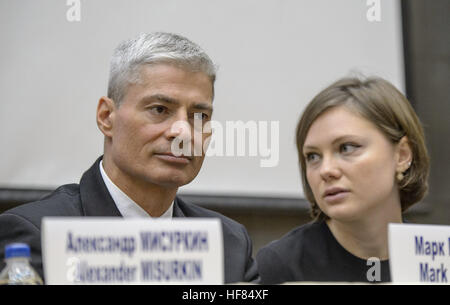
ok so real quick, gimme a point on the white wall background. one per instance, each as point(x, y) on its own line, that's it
point(274, 56)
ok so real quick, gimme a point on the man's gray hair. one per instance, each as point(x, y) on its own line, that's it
point(153, 48)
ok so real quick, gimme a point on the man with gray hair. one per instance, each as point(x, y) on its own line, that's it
point(159, 84)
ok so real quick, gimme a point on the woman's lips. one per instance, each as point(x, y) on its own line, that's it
point(336, 197)
point(335, 194)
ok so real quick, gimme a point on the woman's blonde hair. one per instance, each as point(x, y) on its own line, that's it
point(381, 103)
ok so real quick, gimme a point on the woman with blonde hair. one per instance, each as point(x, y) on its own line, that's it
point(363, 163)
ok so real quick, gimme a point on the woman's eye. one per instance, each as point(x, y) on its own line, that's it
point(348, 147)
point(312, 157)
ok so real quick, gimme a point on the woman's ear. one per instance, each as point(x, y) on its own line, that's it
point(404, 155)
point(105, 115)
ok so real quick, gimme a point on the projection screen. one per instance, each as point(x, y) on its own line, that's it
point(273, 56)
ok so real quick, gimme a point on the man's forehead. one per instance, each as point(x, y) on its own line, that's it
point(170, 84)
point(169, 70)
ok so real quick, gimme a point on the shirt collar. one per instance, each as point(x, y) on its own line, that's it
point(126, 206)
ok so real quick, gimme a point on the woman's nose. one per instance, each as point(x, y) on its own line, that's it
point(329, 168)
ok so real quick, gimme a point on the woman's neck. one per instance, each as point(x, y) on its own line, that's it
point(366, 237)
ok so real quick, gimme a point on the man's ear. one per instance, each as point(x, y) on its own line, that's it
point(404, 155)
point(105, 115)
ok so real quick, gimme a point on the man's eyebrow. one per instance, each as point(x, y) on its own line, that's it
point(169, 100)
point(203, 106)
point(160, 97)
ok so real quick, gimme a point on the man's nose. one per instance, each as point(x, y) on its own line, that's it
point(180, 127)
point(329, 168)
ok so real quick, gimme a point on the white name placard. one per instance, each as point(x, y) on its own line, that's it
point(419, 253)
point(88, 250)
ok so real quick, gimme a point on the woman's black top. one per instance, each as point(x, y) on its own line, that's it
point(311, 253)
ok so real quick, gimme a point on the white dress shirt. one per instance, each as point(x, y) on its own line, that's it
point(126, 206)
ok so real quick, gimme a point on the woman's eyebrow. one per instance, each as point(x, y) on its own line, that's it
point(345, 137)
point(338, 139)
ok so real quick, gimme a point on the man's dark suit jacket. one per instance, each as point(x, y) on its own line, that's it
point(91, 198)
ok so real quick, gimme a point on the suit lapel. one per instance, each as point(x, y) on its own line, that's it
point(95, 198)
point(177, 211)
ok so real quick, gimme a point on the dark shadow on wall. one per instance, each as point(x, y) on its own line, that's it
point(426, 35)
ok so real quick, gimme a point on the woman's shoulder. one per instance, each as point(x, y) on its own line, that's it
point(280, 260)
point(295, 240)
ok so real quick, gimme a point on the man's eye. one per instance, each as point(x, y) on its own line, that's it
point(158, 109)
point(201, 116)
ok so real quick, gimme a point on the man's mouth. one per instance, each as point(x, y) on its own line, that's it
point(169, 157)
